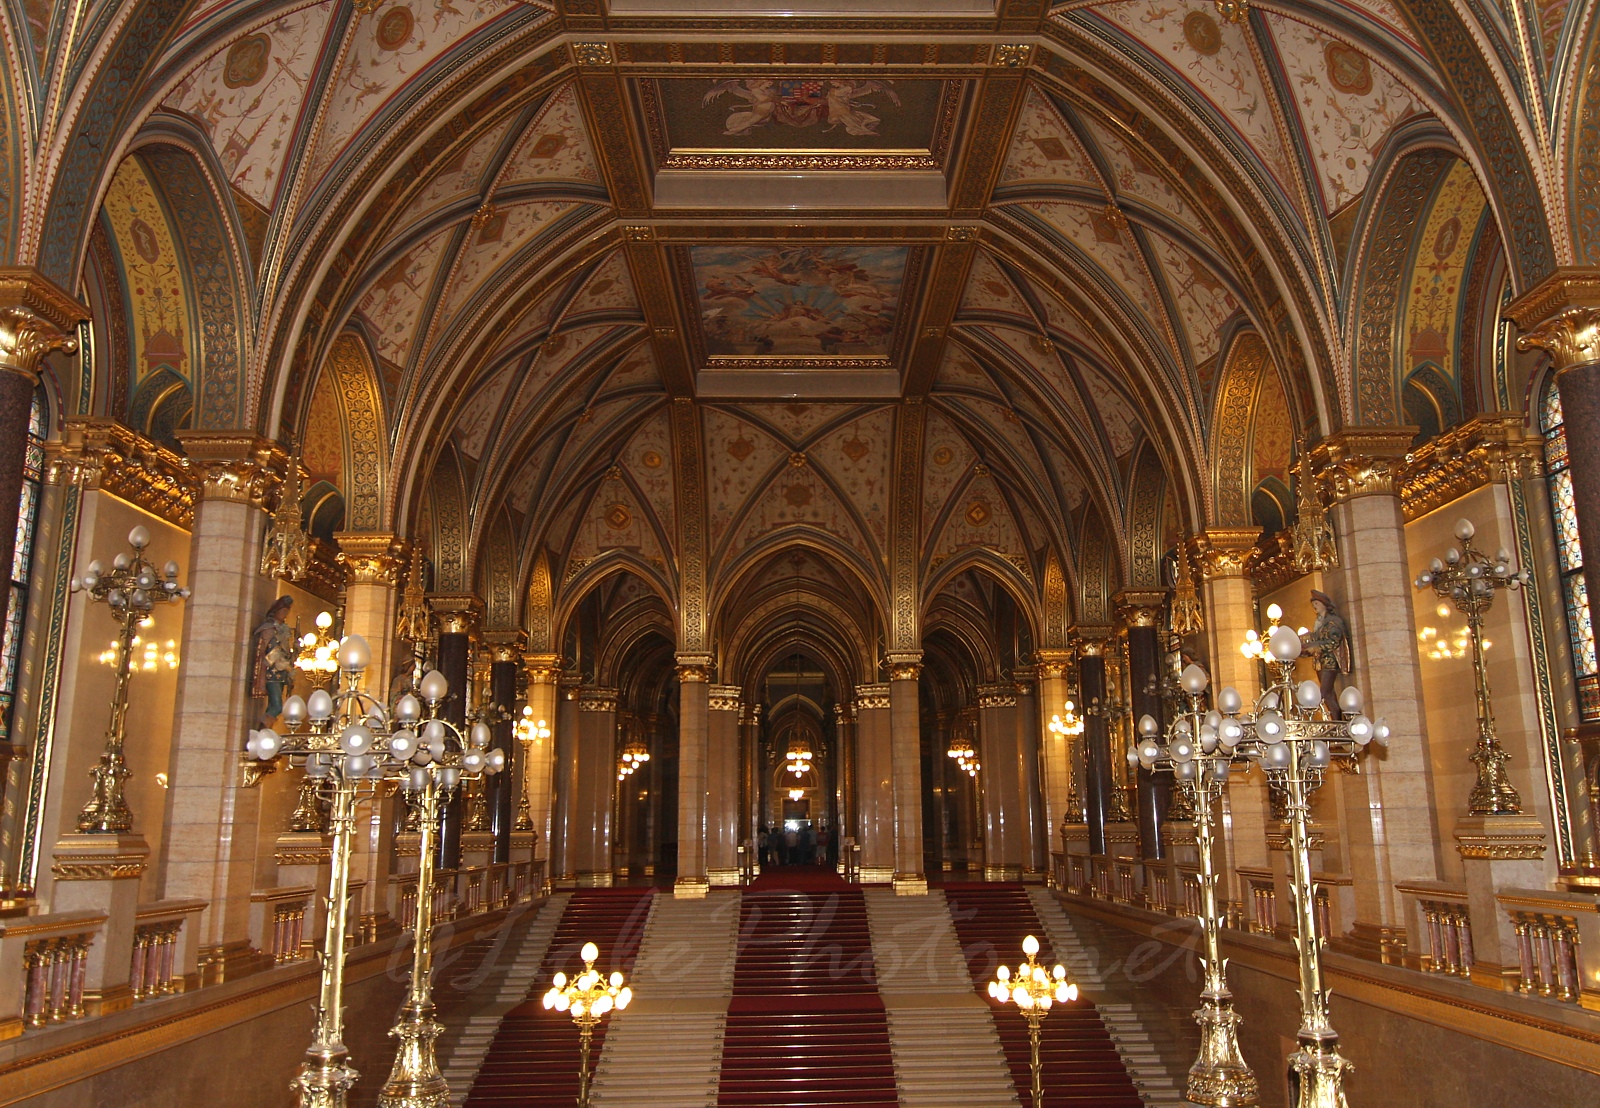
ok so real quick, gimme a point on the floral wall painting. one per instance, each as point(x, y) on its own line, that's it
point(798, 302)
point(800, 115)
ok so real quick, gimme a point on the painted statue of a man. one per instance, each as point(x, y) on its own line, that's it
point(272, 655)
point(1328, 644)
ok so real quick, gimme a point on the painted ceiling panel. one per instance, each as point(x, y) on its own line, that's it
point(555, 147)
point(1045, 149)
point(796, 422)
point(738, 456)
point(990, 290)
point(249, 98)
point(981, 518)
point(798, 495)
point(1134, 176)
point(1347, 105)
point(393, 305)
point(478, 417)
point(1097, 234)
point(859, 458)
point(958, 371)
point(1203, 303)
point(499, 237)
point(648, 459)
point(609, 290)
point(947, 458)
point(1040, 353)
point(462, 176)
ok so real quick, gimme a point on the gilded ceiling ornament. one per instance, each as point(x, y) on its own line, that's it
point(286, 551)
point(1012, 55)
point(1571, 338)
point(1234, 11)
point(592, 53)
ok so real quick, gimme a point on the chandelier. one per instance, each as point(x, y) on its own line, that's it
point(634, 754)
point(961, 750)
point(318, 652)
point(1069, 723)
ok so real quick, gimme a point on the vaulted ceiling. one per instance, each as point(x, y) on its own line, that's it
point(1054, 227)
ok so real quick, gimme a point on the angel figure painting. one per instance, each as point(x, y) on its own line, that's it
point(805, 301)
point(796, 114)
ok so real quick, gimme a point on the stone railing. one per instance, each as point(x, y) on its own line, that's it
point(1261, 898)
point(1553, 931)
point(43, 961)
point(1126, 872)
point(403, 897)
point(278, 922)
point(1438, 927)
point(166, 948)
point(1158, 886)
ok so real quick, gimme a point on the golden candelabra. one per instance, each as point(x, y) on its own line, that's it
point(351, 744)
point(528, 731)
point(316, 650)
point(1468, 579)
point(1200, 751)
point(961, 749)
point(588, 998)
point(1034, 991)
point(131, 589)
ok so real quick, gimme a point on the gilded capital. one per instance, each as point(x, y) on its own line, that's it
point(542, 669)
point(905, 666)
point(1561, 316)
point(694, 667)
point(505, 646)
point(1225, 551)
point(1139, 607)
point(235, 466)
point(104, 454)
point(1362, 461)
point(371, 558)
point(457, 613)
point(36, 318)
point(1052, 665)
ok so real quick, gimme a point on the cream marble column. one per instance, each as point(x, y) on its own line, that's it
point(564, 820)
point(1230, 611)
point(874, 783)
point(905, 733)
point(538, 755)
point(210, 831)
point(1004, 852)
point(1030, 738)
point(592, 807)
point(372, 562)
point(722, 785)
point(694, 704)
point(1056, 755)
point(1391, 828)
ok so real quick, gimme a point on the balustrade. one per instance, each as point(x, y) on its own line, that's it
point(278, 922)
point(1261, 895)
point(43, 962)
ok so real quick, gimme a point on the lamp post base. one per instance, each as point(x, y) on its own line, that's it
point(1316, 1075)
point(415, 1080)
point(1219, 1077)
point(324, 1081)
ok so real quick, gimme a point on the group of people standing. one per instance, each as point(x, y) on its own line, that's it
point(793, 845)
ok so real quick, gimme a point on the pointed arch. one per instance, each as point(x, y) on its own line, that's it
point(1246, 360)
point(353, 375)
point(448, 515)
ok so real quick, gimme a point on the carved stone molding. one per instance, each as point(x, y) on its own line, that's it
point(997, 696)
point(1271, 564)
point(103, 454)
point(1561, 315)
point(592, 699)
point(235, 466)
point(905, 666)
point(371, 558)
point(869, 697)
point(457, 613)
point(725, 698)
point(80, 857)
point(505, 646)
point(36, 318)
point(1501, 838)
point(1362, 461)
point(1052, 665)
point(1089, 642)
point(694, 669)
point(1225, 551)
point(1138, 607)
point(1484, 450)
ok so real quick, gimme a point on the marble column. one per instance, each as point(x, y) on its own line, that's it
point(372, 563)
point(459, 615)
point(1139, 612)
point(592, 809)
point(211, 815)
point(1391, 829)
point(1096, 744)
point(537, 764)
point(722, 785)
point(999, 754)
point(1056, 754)
point(694, 699)
point(874, 783)
point(750, 810)
point(1228, 594)
point(564, 788)
point(36, 319)
point(1036, 832)
point(505, 653)
point(905, 734)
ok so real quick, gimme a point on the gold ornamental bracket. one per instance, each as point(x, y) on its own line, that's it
point(370, 557)
point(1362, 461)
point(1490, 448)
point(1225, 551)
point(36, 318)
point(1138, 607)
point(1561, 316)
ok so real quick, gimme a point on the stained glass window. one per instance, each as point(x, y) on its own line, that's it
point(1570, 553)
point(21, 561)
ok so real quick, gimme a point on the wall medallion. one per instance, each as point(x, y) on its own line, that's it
point(1202, 33)
point(1348, 69)
point(247, 61)
point(978, 513)
point(394, 28)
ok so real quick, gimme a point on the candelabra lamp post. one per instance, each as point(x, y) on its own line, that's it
point(588, 999)
point(350, 743)
point(1295, 737)
point(1469, 579)
point(1034, 991)
point(131, 588)
point(528, 731)
point(1200, 750)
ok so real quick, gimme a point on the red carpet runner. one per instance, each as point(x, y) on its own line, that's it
point(806, 1027)
point(534, 1057)
point(1081, 1063)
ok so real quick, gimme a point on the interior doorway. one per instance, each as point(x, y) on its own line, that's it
point(796, 808)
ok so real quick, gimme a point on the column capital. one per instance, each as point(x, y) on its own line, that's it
point(905, 665)
point(1089, 640)
point(36, 318)
point(724, 698)
point(1052, 665)
point(872, 696)
point(1561, 316)
point(1139, 607)
point(239, 467)
point(457, 613)
point(370, 557)
point(694, 667)
point(505, 646)
point(1224, 551)
point(542, 669)
point(1496, 446)
point(1362, 461)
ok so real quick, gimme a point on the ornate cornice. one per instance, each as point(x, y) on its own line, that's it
point(997, 696)
point(1362, 461)
point(591, 699)
point(1225, 551)
point(1501, 838)
point(724, 698)
point(1561, 315)
point(371, 558)
point(36, 318)
point(871, 696)
point(234, 466)
point(1271, 565)
point(1138, 607)
point(1484, 450)
point(457, 613)
point(103, 454)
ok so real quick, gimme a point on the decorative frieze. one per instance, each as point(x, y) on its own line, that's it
point(593, 699)
point(103, 454)
point(869, 697)
point(724, 698)
point(997, 696)
point(1484, 450)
